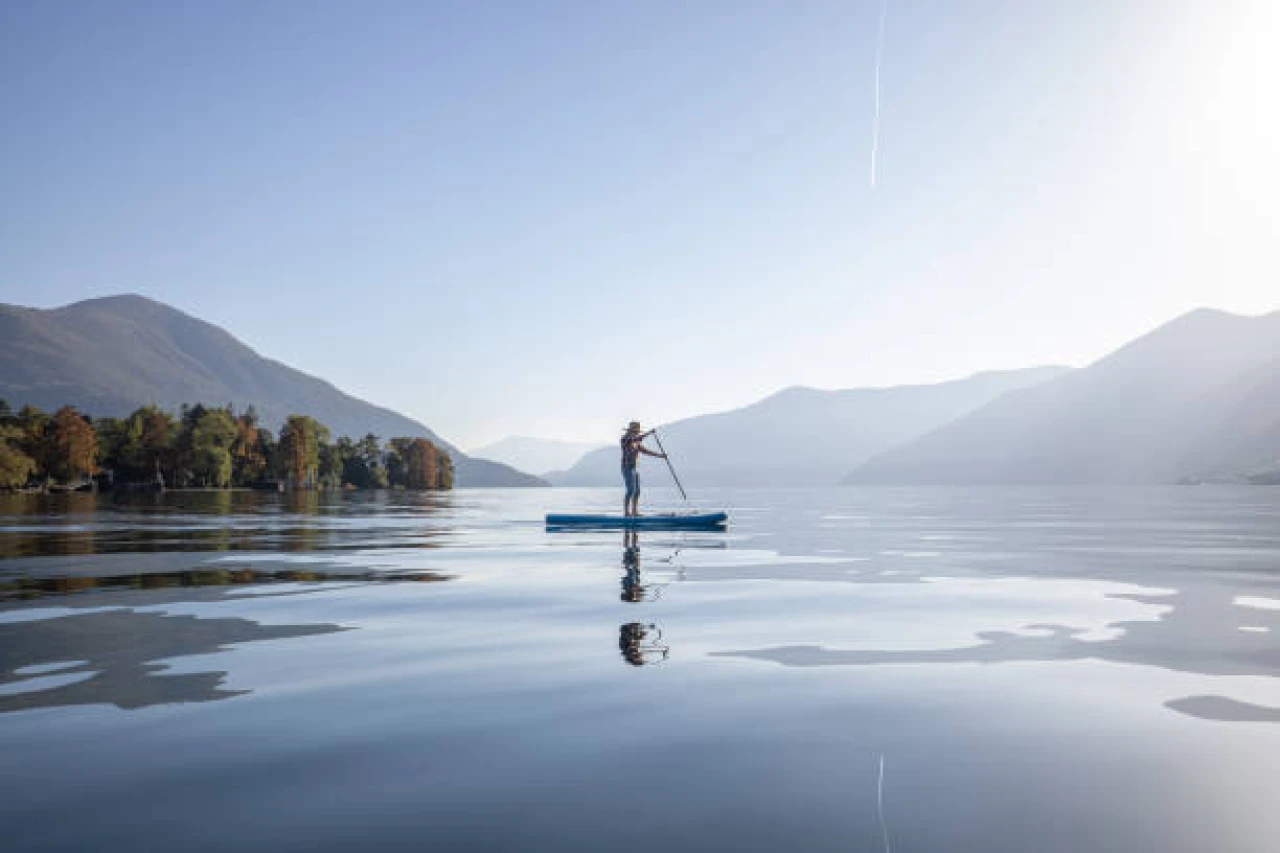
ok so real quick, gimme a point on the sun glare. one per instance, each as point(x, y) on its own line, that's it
point(1238, 140)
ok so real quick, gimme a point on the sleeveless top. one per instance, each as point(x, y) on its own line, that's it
point(630, 450)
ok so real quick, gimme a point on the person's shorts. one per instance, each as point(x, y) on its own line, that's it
point(631, 477)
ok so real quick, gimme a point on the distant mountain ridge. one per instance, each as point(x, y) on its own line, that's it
point(534, 455)
point(109, 355)
point(1197, 398)
point(805, 436)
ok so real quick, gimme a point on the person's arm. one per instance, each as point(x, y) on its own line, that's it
point(646, 450)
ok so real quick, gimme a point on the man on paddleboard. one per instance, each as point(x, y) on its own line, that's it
point(632, 446)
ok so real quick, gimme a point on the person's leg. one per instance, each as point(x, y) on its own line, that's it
point(629, 501)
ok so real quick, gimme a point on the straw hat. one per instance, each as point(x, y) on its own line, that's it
point(634, 426)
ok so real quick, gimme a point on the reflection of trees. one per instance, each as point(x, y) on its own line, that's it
point(218, 502)
point(302, 502)
point(216, 520)
point(33, 511)
point(122, 648)
point(76, 543)
point(306, 536)
point(30, 588)
point(418, 502)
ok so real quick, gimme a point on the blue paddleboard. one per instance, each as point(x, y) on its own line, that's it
point(658, 521)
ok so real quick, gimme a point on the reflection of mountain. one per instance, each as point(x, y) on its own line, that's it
point(1224, 709)
point(1197, 634)
point(125, 650)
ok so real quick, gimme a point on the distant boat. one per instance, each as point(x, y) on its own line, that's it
point(657, 521)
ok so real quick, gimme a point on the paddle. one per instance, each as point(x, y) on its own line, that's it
point(670, 467)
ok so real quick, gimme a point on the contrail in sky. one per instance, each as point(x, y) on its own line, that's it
point(875, 122)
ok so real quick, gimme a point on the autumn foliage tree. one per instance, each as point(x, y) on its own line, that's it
point(299, 450)
point(422, 465)
point(72, 445)
point(416, 463)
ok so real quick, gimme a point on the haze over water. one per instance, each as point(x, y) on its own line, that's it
point(1005, 669)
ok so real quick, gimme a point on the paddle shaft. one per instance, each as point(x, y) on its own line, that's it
point(670, 467)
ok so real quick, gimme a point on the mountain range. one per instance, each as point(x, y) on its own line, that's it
point(1196, 399)
point(108, 356)
point(804, 436)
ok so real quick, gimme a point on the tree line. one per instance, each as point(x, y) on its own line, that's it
point(205, 447)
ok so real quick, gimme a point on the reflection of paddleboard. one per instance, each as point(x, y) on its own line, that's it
point(661, 521)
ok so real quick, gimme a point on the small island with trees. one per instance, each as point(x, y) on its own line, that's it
point(203, 447)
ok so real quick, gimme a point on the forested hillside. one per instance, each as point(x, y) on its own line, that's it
point(109, 356)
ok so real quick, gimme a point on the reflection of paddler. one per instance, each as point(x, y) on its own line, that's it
point(630, 638)
point(632, 589)
point(641, 644)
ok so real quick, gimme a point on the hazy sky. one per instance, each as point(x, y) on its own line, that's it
point(547, 218)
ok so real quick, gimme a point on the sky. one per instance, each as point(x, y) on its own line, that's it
point(518, 218)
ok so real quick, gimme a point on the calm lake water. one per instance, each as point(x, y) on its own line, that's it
point(842, 670)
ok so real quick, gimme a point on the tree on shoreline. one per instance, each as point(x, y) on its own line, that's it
point(212, 435)
point(16, 467)
point(211, 447)
point(251, 450)
point(139, 448)
point(422, 464)
point(300, 440)
point(72, 446)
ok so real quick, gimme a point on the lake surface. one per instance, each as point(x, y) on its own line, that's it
point(842, 670)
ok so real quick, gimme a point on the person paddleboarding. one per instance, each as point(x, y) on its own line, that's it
point(632, 446)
